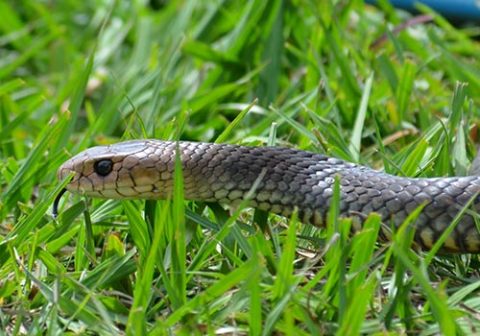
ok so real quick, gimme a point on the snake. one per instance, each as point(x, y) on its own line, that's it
point(279, 180)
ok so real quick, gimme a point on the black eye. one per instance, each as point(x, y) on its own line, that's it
point(103, 167)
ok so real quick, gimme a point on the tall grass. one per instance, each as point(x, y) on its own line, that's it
point(327, 76)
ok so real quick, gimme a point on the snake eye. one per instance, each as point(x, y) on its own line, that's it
point(103, 167)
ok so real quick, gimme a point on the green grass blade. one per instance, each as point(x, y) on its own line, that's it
point(356, 138)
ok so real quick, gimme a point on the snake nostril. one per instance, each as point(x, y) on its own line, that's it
point(103, 167)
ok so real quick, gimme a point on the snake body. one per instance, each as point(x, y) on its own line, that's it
point(285, 179)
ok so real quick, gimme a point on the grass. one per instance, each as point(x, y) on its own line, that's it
point(333, 77)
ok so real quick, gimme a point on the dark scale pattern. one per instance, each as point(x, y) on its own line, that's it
point(286, 178)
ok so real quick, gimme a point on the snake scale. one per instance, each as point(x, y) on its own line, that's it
point(285, 179)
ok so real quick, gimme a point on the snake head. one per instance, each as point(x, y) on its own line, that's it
point(124, 170)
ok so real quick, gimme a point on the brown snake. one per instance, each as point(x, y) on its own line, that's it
point(289, 179)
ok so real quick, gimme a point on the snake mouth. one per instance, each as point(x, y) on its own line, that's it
point(67, 169)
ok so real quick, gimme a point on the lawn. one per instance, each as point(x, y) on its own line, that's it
point(368, 85)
